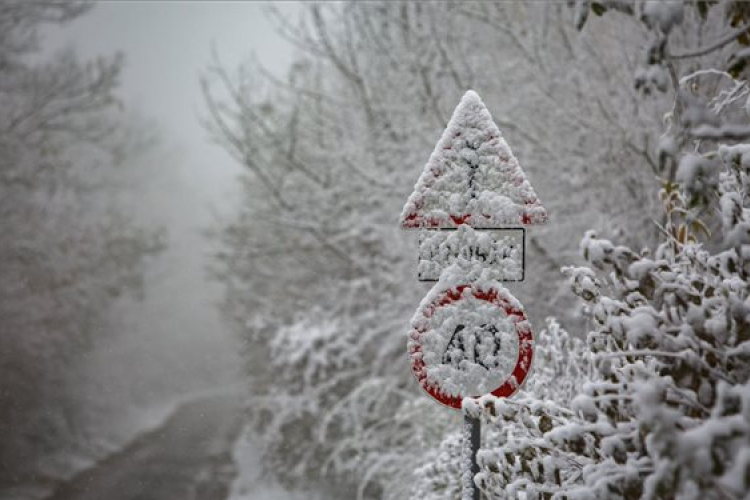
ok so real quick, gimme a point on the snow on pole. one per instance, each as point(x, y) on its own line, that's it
point(472, 438)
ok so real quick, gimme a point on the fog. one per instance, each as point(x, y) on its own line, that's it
point(213, 224)
point(167, 343)
point(183, 182)
point(186, 181)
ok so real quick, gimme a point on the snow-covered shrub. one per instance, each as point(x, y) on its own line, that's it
point(668, 407)
point(664, 409)
point(331, 155)
point(656, 404)
point(68, 252)
point(514, 429)
point(333, 151)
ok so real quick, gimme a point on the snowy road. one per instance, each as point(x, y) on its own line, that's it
point(189, 458)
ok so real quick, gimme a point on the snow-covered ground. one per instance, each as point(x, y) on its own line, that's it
point(60, 467)
point(110, 438)
point(250, 483)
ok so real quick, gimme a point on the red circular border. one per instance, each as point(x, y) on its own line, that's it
point(525, 345)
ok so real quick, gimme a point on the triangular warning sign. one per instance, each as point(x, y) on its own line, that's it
point(472, 178)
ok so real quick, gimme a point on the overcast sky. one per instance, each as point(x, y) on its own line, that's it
point(166, 45)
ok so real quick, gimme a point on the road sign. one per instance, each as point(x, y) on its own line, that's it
point(470, 336)
point(470, 195)
point(470, 340)
point(472, 178)
point(501, 251)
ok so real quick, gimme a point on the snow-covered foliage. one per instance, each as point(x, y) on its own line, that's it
point(653, 405)
point(333, 151)
point(665, 412)
point(513, 429)
point(660, 407)
point(64, 261)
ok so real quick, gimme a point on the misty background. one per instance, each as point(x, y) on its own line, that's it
point(206, 293)
point(167, 341)
point(181, 182)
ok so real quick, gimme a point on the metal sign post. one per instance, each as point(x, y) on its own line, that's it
point(470, 336)
point(472, 442)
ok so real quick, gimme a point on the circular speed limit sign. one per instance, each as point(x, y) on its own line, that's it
point(470, 340)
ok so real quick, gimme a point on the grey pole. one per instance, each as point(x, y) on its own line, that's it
point(472, 438)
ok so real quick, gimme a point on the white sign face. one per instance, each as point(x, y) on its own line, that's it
point(472, 348)
point(472, 178)
point(470, 340)
point(501, 250)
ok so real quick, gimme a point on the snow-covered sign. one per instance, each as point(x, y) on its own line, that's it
point(469, 340)
point(472, 178)
point(470, 336)
point(502, 251)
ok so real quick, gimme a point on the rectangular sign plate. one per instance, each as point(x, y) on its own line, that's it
point(501, 250)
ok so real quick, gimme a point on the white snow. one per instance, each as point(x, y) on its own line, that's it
point(472, 178)
point(662, 14)
point(469, 345)
point(251, 483)
point(501, 251)
point(471, 349)
point(697, 173)
point(113, 437)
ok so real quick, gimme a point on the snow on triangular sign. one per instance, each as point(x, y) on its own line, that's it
point(472, 178)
